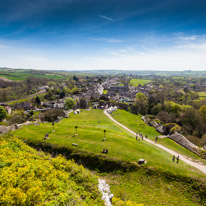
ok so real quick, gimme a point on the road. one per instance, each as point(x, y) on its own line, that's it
point(183, 158)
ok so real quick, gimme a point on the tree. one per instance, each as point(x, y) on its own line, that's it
point(69, 103)
point(141, 102)
point(3, 113)
point(37, 100)
point(203, 112)
point(83, 103)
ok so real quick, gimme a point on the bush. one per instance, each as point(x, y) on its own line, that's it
point(69, 103)
point(3, 113)
point(18, 117)
point(33, 178)
point(51, 115)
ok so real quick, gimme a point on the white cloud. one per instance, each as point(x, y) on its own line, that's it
point(179, 57)
point(105, 17)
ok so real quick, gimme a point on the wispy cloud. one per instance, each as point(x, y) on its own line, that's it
point(188, 38)
point(191, 38)
point(195, 46)
point(106, 17)
point(108, 40)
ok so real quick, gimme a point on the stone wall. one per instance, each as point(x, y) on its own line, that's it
point(180, 139)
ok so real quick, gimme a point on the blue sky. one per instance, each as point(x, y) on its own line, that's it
point(106, 34)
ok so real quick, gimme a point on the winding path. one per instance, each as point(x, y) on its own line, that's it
point(182, 157)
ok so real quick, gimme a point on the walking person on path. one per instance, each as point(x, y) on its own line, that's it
point(142, 137)
point(173, 158)
point(178, 158)
point(136, 136)
point(156, 138)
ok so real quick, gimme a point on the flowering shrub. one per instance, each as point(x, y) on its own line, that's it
point(28, 177)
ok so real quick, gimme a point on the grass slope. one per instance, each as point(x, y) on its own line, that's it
point(136, 124)
point(120, 144)
point(138, 186)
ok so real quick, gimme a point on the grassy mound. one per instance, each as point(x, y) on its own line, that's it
point(158, 182)
point(120, 143)
point(28, 177)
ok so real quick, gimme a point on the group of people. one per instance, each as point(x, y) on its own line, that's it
point(140, 135)
point(105, 151)
point(46, 136)
point(177, 158)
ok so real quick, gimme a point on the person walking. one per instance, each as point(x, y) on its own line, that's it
point(173, 158)
point(178, 158)
point(136, 136)
point(156, 138)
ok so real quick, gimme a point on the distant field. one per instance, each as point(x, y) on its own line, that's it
point(121, 145)
point(136, 82)
point(105, 91)
point(202, 95)
point(26, 99)
point(21, 75)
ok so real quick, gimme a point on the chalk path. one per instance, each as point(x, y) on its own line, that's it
point(182, 158)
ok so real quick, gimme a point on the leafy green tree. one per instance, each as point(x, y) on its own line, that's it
point(141, 102)
point(203, 112)
point(69, 103)
point(3, 113)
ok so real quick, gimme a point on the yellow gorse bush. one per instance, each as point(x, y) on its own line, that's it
point(28, 177)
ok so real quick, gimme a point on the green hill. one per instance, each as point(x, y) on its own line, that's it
point(159, 181)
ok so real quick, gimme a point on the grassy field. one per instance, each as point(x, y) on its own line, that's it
point(41, 96)
point(18, 75)
point(136, 124)
point(136, 82)
point(202, 95)
point(105, 91)
point(121, 145)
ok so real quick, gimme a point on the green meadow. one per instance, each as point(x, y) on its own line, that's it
point(155, 188)
point(23, 74)
point(121, 144)
point(136, 82)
